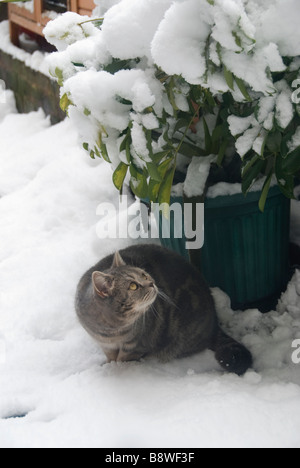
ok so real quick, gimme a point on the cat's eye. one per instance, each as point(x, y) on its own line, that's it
point(133, 286)
point(144, 276)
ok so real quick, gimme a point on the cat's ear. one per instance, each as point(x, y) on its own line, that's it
point(118, 261)
point(103, 284)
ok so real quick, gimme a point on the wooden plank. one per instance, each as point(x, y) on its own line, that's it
point(86, 5)
point(83, 12)
point(38, 10)
point(21, 11)
point(26, 24)
point(73, 5)
point(14, 33)
point(36, 21)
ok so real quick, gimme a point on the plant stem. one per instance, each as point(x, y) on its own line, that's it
point(90, 21)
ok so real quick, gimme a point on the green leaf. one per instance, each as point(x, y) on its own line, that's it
point(166, 187)
point(217, 133)
point(119, 175)
point(229, 78)
point(148, 135)
point(273, 141)
point(153, 172)
point(157, 157)
point(264, 145)
point(135, 169)
point(284, 148)
point(190, 150)
point(210, 99)
point(164, 167)
point(253, 169)
point(97, 152)
point(285, 181)
point(102, 146)
point(181, 123)
point(242, 88)
point(291, 164)
point(59, 75)
point(171, 97)
point(237, 39)
point(139, 185)
point(153, 190)
point(221, 153)
point(287, 186)
point(117, 65)
point(123, 101)
point(104, 153)
point(249, 164)
point(64, 36)
point(128, 154)
point(65, 102)
point(123, 144)
point(265, 191)
point(207, 137)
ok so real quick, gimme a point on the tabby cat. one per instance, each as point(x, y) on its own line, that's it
point(148, 301)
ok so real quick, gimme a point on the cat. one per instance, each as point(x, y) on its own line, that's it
point(149, 301)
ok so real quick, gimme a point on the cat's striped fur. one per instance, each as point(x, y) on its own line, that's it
point(148, 301)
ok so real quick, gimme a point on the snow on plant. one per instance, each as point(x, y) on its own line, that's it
point(153, 80)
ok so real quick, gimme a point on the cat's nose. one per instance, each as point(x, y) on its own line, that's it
point(151, 284)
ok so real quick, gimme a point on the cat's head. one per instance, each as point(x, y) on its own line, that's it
point(126, 291)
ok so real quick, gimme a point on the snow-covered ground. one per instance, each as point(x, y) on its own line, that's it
point(54, 389)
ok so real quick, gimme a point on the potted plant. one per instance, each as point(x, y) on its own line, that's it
point(189, 88)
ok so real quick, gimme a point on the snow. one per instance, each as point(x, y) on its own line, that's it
point(239, 125)
point(225, 188)
point(36, 61)
point(106, 102)
point(222, 45)
point(284, 105)
point(183, 28)
point(55, 389)
point(52, 372)
point(144, 19)
point(68, 29)
point(277, 21)
point(197, 174)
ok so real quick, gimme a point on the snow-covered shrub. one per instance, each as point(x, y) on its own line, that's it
point(155, 85)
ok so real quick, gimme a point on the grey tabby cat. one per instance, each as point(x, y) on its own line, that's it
point(148, 301)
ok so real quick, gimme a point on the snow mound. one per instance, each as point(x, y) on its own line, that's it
point(55, 390)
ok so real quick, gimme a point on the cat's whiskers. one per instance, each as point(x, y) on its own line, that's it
point(166, 298)
point(155, 311)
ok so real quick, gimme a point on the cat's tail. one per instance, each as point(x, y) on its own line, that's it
point(230, 354)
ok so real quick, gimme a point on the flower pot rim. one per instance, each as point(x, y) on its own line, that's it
point(234, 199)
point(240, 198)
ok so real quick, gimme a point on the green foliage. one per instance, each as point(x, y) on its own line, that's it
point(194, 123)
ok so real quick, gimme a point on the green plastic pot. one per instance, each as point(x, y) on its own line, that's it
point(245, 252)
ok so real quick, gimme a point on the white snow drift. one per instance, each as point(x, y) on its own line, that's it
point(54, 389)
